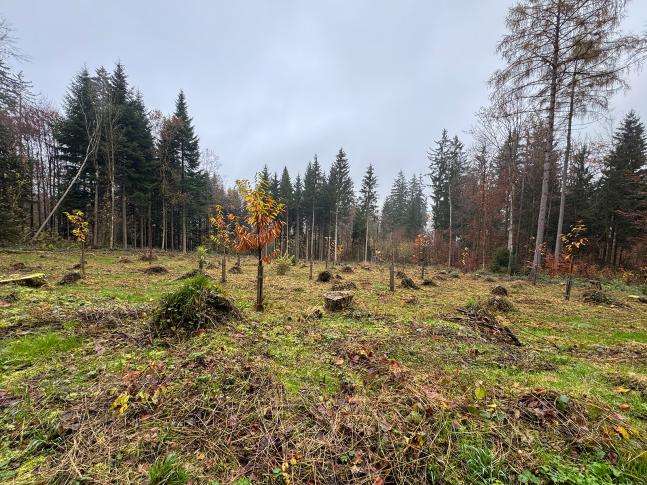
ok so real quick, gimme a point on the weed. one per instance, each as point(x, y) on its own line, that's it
point(168, 471)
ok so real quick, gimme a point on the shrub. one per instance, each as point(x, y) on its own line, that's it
point(168, 471)
point(283, 264)
point(198, 303)
point(499, 262)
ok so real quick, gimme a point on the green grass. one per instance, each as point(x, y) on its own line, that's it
point(34, 348)
point(168, 471)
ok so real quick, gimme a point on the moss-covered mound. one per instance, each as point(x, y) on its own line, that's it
point(197, 304)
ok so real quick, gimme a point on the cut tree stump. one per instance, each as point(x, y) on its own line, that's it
point(35, 280)
point(337, 300)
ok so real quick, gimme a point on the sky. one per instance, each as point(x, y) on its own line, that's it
point(276, 81)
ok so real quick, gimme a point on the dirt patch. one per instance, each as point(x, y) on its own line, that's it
point(192, 274)
point(597, 297)
point(111, 314)
point(487, 327)
point(124, 260)
point(630, 352)
point(18, 267)
point(155, 270)
point(70, 278)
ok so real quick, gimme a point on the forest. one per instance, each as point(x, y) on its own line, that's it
point(481, 318)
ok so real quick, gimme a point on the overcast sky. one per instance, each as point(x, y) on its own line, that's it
point(274, 81)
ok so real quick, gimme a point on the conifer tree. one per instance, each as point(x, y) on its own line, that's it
point(366, 206)
point(185, 156)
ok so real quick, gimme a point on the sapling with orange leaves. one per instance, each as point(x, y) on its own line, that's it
point(256, 230)
point(80, 231)
point(573, 243)
point(422, 251)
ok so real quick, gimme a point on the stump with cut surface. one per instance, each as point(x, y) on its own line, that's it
point(337, 300)
point(35, 280)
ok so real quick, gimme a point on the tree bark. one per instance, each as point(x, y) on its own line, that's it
point(548, 151)
point(567, 153)
point(124, 220)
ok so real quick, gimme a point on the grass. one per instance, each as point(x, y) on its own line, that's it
point(384, 391)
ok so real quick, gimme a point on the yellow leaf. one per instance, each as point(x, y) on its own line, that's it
point(622, 431)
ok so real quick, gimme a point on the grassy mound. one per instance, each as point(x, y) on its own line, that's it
point(197, 304)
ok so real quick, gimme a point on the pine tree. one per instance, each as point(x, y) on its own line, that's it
point(297, 201)
point(366, 207)
point(623, 188)
point(313, 184)
point(185, 154)
point(340, 193)
point(285, 196)
point(395, 205)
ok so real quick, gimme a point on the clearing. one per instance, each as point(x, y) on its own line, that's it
point(400, 388)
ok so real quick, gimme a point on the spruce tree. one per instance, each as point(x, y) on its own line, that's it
point(340, 193)
point(366, 208)
point(185, 153)
point(623, 187)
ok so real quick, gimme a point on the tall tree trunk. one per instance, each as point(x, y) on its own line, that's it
point(548, 152)
point(449, 252)
point(312, 234)
point(95, 225)
point(510, 229)
point(163, 223)
point(567, 153)
point(184, 227)
point(366, 239)
point(296, 239)
point(336, 217)
point(124, 219)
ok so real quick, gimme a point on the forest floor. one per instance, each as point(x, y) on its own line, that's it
point(401, 388)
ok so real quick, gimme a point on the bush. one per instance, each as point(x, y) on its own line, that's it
point(283, 264)
point(198, 303)
point(499, 262)
point(168, 471)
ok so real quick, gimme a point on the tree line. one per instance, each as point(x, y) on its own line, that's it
point(143, 180)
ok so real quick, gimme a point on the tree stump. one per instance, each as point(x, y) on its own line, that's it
point(337, 300)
